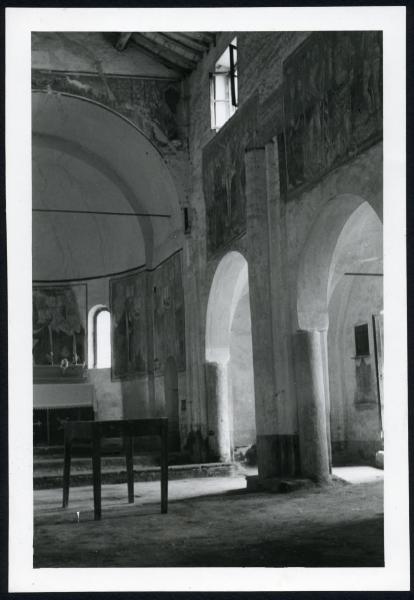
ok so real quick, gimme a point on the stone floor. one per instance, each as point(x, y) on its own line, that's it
point(215, 522)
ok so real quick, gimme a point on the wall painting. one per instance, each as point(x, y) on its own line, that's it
point(129, 335)
point(332, 102)
point(59, 325)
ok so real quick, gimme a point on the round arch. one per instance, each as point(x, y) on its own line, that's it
point(229, 282)
point(229, 359)
point(318, 260)
point(346, 237)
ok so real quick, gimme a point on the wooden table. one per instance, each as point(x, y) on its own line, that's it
point(128, 429)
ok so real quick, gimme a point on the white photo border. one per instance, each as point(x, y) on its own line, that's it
point(20, 22)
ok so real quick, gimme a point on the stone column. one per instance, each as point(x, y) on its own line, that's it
point(260, 306)
point(217, 384)
point(310, 392)
point(324, 342)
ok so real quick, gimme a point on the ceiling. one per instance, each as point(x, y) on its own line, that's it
point(152, 54)
point(179, 51)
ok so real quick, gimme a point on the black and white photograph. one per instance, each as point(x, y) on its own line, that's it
point(217, 375)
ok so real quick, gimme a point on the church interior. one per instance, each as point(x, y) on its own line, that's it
point(208, 248)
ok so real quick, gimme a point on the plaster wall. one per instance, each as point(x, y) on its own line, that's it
point(355, 423)
point(242, 376)
point(61, 242)
point(360, 178)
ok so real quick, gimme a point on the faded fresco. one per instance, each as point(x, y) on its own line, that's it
point(59, 324)
point(169, 324)
point(224, 177)
point(145, 102)
point(129, 335)
point(332, 101)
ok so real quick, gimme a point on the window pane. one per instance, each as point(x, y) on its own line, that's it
point(222, 113)
point(103, 340)
point(221, 87)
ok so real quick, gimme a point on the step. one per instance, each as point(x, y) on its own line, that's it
point(44, 479)
point(54, 463)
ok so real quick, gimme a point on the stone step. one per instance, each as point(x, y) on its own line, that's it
point(44, 479)
point(54, 464)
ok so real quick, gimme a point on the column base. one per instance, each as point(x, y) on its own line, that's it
point(278, 455)
point(278, 485)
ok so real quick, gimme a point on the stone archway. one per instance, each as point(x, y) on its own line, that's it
point(229, 360)
point(355, 303)
point(333, 245)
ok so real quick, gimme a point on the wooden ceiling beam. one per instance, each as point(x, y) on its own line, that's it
point(179, 47)
point(122, 41)
point(187, 40)
point(169, 50)
point(155, 51)
point(204, 37)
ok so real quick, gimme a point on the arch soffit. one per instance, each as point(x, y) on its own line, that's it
point(229, 284)
point(315, 262)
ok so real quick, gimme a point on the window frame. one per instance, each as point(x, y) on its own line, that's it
point(230, 77)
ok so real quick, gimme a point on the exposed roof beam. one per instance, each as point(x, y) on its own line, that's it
point(187, 40)
point(206, 38)
point(186, 59)
point(122, 41)
point(178, 47)
point(169, 59)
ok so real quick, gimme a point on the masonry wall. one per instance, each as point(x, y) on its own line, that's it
point(291, 201)
point(200, 268)
point(355, 418)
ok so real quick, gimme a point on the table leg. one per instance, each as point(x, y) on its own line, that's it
point(66, 469)
point(96, 469)
point(164, 468)
point(129, 457)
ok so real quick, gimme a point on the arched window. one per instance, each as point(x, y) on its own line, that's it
point(103, 339)
point(100, 337)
